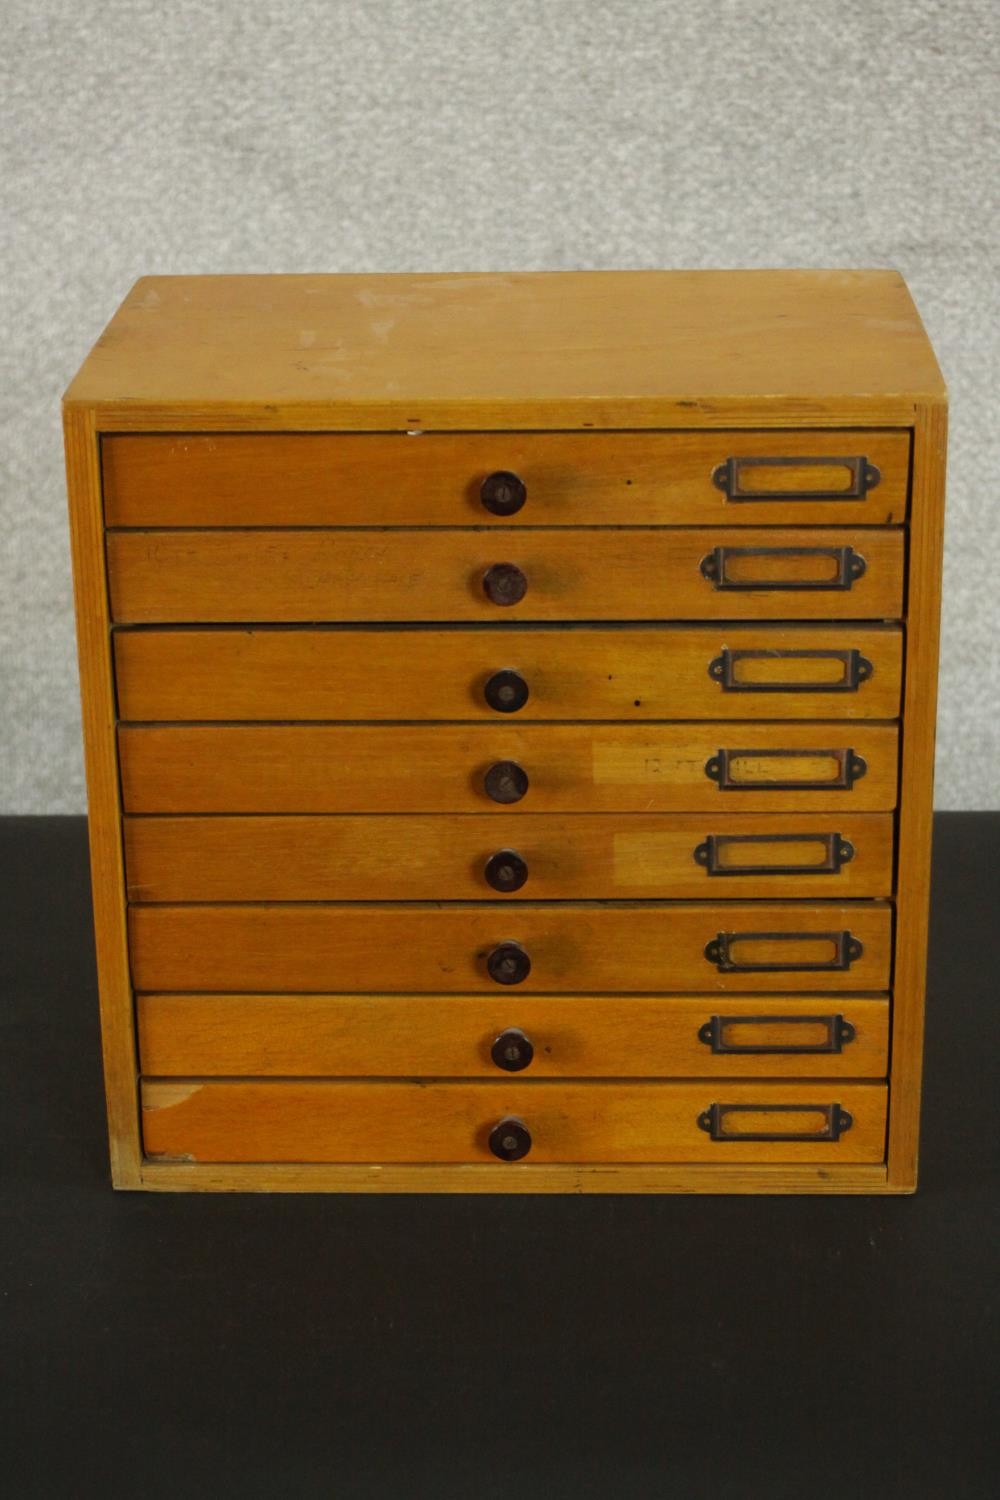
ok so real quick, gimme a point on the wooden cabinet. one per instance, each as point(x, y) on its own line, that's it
point(510, 774)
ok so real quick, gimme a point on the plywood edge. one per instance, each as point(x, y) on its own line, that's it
point(265, 1178)
point(97, 696)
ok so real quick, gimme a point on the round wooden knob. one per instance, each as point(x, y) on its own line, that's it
point(512, 1050)
point(506, 870)
point(508, 964)
point(506, 781)
point(510, 1139)
point(506, 691)
point(505, 584)
point(503, 493)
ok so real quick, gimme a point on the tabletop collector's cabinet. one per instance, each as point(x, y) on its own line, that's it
point(509, 718)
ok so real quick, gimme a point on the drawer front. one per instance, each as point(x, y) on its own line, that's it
point(458, 948)
point(435, 858)
point(455, 1122)
point(507, 768)
point(568, 479)
point(732, 672)
point(165, 577)
point(468, 1036)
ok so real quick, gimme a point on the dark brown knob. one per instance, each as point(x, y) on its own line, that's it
point(506, 781)
point(503, 493)
point(508, 964)
point(512, 1050)
point(504, 583)
point(506, 870)
point(506, 691)
point(510, 1139)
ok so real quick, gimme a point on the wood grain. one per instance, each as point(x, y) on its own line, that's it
point(424, 949)
point(831, 1179)
point(599, 673)
point(449, 1036)
point(393, 479)
point(449, 1122)
point(439, 858)
point(106, 863)
point(167, 577)
point(608, 349)
point(298, 768)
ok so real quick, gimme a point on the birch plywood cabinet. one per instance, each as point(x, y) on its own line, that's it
point(508, 704)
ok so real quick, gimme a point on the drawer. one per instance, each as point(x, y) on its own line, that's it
point(548, 857)
point(667, 672)
point(567, 478)
point(165, 577)
point(228, 1120)
point(508, 767)
point(468, 1036)
point(459, 948)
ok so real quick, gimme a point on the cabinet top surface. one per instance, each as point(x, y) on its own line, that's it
point(530, 347)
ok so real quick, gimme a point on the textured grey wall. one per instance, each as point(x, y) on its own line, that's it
point(229, 135)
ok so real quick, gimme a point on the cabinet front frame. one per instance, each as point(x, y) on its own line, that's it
point(927, 421)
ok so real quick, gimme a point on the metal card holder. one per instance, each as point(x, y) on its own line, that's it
point(850, 566)
point(837, 1121)
point(857, 669)
point(850, 768)
point(847, 949)
point(713, 1033)
point(728, 477)
point(838, 852)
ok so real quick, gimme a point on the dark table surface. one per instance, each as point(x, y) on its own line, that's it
point(484, 1348)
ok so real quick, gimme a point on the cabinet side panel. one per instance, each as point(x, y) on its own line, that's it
point(916, 791)
point(107, 875)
